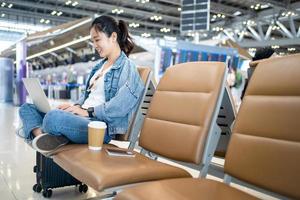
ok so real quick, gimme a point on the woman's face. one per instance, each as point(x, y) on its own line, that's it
point(102, 43)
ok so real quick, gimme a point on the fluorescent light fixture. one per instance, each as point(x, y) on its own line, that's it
point(42, 20)
point(134, 25)
point(10, 5)
point(68, 2)
point(146, 35)
point(291, 49)
point(59, 13)
point(156, 18)
point(117, 11)
point(2, 15)
point(264, 6)
point(59, 47)
point(165, 30)
point(75, 3)
point(237, 13)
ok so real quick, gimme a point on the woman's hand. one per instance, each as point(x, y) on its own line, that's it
point(77, 111)
point(64, 106)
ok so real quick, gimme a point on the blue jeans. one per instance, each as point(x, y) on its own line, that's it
point(56, 122)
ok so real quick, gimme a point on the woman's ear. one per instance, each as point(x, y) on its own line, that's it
point(114, 36)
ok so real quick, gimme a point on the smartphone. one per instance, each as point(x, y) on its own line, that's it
point(120, 152)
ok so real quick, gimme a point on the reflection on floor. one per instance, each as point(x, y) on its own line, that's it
point(17, 160)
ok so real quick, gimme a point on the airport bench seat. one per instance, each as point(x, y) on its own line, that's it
point(101, 171)
point(264, 148)
point(183, 189)
point(180, 125)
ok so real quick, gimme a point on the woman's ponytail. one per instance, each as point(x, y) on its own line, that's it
point(124, 39)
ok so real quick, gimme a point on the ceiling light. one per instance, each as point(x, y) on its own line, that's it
point(249, 23)
point(237, 13)
point(42, 20)
point(156, 18)
point(179, 9)
point(10, 5)
point(117, 11)
point(264, 6)
point(291, 49)
point(75, 3)
point(219, 15)
point(134, 25)
point(2, 15)
point(275, 28)
point(59, 13)
point(259, 6)
point(68, 2)
point(146, 35)
point(275, 46)
point(165, 30)
point(289, 13)
point(217, 28)
point(47, 21)
point(53, 12)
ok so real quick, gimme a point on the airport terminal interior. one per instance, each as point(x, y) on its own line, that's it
point(206, 105)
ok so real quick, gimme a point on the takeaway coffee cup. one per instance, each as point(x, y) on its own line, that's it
point(96, 132)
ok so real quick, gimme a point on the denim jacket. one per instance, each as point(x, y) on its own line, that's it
point(123, 88)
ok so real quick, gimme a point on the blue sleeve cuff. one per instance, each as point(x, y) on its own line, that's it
point(99, 112)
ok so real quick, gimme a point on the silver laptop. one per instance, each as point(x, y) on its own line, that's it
point(36, 93)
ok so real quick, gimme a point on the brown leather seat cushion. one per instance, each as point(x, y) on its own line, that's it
point(100, 171)
point(183, 188)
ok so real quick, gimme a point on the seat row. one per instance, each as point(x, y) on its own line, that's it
point(181, 125)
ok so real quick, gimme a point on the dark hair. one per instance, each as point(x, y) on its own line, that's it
point(108, 25)
point(263, 53)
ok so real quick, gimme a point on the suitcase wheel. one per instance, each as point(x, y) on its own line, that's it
point(47, 193)
point(83, 188)
point(35, 169)
point(37, 188)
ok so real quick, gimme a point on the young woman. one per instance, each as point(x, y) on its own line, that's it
point(112, 92)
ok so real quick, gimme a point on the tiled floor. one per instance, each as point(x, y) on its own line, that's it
point(17, 160)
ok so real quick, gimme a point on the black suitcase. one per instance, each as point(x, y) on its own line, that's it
point(49, 176)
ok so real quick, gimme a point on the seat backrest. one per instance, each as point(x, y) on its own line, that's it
point(145, 74)
point(226, 117)
point(265, 145)
point(181, 111)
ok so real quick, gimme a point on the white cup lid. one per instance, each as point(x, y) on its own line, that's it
point(97, 124)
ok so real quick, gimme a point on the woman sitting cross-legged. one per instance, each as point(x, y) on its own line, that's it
point(112, 92)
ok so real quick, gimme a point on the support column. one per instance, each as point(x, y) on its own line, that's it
point(196, 37)
point(6, 79)
point(21, 53)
